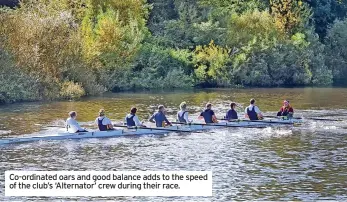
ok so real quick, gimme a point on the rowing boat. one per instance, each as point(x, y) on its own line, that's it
point(146, 131)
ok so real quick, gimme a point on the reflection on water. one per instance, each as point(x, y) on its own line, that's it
point(280, 163)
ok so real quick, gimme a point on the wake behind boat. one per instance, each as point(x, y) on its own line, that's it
point(185, 128)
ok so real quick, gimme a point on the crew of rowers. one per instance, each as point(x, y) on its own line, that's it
point(252, 112)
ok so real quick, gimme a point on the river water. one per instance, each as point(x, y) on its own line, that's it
point(307, 162)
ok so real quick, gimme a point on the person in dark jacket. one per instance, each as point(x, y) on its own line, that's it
point(208, 114)
point(231, 113)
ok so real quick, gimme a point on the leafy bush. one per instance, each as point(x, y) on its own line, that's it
point(71, 90)
point(211, 63)
point(15, 85)
point(155, 67)
point(286, 65)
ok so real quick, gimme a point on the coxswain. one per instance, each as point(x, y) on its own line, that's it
point(71, 124)
point(208, 114)
point(182, 115)
point(103, 122)
point(231, 113)
point(132, 119)
point(286, 110)
point(159, 118)
point(252, 111)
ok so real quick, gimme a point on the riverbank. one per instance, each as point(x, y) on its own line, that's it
point(51, 50)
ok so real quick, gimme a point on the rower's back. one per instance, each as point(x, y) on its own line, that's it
point(101, 125)
point(252, 111)
point(182, 115)
point(208, 115)
point(130, 120)
point(252, 115)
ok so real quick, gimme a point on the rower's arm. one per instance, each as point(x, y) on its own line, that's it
point(109, 124)
point(214, 118)
point(75, 123)
point(201, 117)
point(137, 121)
point(167, 121)
point(151, 119)
point(257, 110)
point(186, 117)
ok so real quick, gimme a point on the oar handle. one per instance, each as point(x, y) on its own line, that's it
point(149, 128)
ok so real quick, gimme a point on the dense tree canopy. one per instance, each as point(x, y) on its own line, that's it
point(53, 49)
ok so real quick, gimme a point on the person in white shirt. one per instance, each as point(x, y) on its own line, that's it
point(253, 112)
point(71, 124)
point(103, 122)
point(182, 115)
point(132, 120)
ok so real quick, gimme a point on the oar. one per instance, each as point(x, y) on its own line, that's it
point(53, 126)
point(220, 125)
point(148, 128)
point(320, 119)
point(311, 118)
point(259, 121)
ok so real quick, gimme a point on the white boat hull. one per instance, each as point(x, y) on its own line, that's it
point(141, 131)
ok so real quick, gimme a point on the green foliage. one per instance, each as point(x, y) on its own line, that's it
point(325, 12)
point(222, 9)
point(71, 90)
point(155, 67)
point(14, 85)
point(253, 29)
point(285, 65)
point(290, 15)
point(108, 41)
point(336, 53)
point(53, 49)
point(211, 63)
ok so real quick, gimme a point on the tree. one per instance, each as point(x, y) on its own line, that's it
point(211, 64)
point(336, 51)
point(291, 15)
point(325, 12)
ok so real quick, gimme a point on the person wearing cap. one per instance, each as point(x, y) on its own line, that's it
point(231, 113)
point(286, 110)
point(103, 122)
point(182, 115)
point(159, 117)
point(72, 125)
point(253, 112)
point(208, 114)
point(132, 120)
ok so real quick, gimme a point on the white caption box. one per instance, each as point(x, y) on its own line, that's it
point(108, 183)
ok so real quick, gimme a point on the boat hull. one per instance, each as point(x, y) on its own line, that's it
point(141, 131)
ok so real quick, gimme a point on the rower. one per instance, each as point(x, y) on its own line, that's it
point(103, 122)
point(182, 115)
point(231, 114)
point(286, 110)
point(71, 124)
point(159, 117)
point(208, 114)
point(252, 111)
point(132, 120)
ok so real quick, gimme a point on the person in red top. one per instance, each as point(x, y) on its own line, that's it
point(286, 109)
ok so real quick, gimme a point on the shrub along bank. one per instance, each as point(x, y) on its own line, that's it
point(63, 49)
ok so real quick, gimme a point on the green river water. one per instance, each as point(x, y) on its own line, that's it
point(307, 162)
